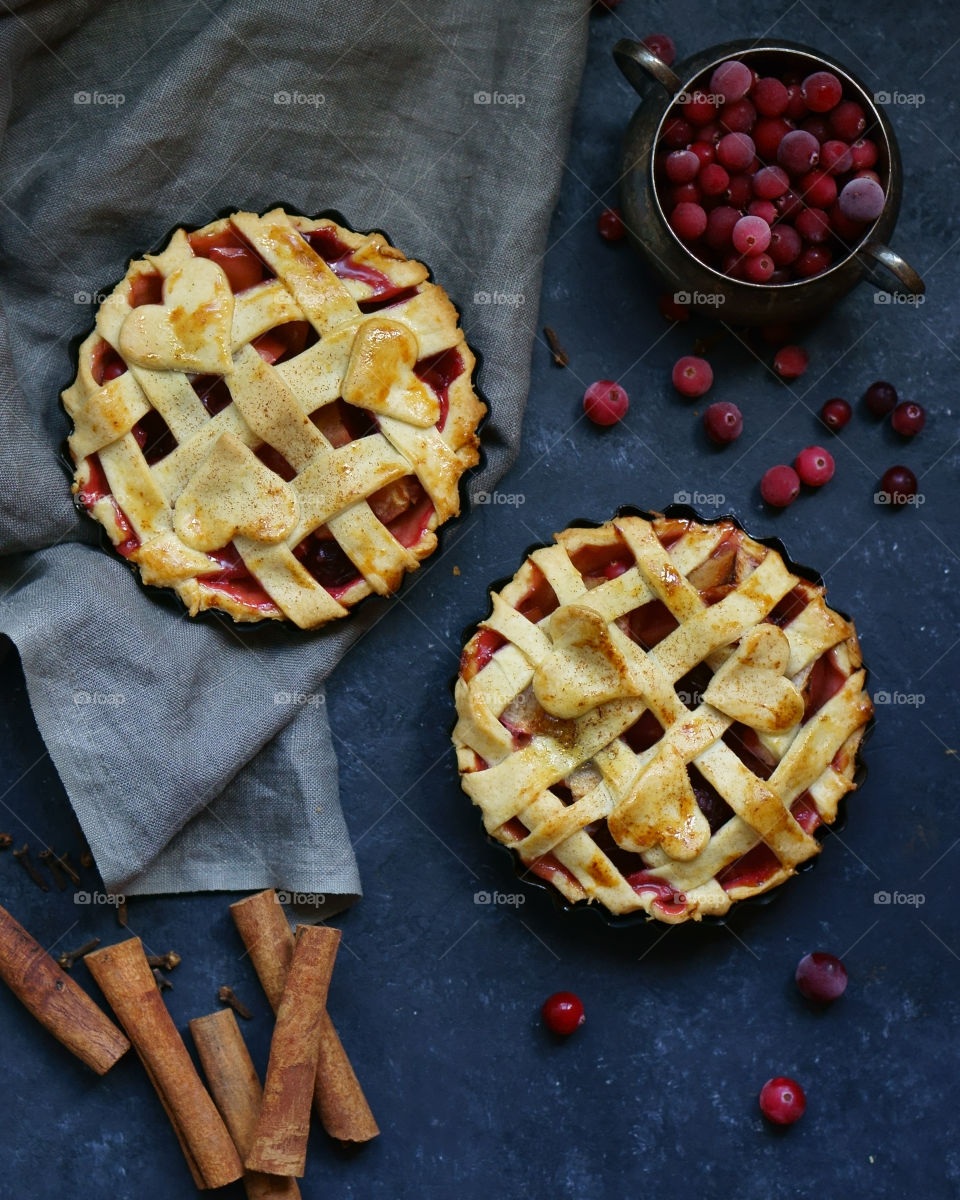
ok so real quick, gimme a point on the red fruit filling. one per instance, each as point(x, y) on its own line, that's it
point(97, 488)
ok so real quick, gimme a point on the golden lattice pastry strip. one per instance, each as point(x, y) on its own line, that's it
point(272, 417)
point(658, 714)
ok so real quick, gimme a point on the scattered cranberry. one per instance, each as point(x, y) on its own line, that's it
point(821, 977)
point(821, 91)
point(688, 221)
point(780, 486)
point(862, 200)
point(782, 1100)
point(563, 1013)
point(770, 97)
point(610, 225)
point(751, 235)
point(798, 152)
point(880, 398)
point(692, 376)
point(662, 46)
point(815, 466)
point(790, 362)
point(908, 418)
point(848, 121)
point(732, 80)
point(836, 414)
point(899, 485)
point(671, 309)
point(605, 402)
point(723, 422)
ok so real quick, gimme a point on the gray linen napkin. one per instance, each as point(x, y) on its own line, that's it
point(196, 756)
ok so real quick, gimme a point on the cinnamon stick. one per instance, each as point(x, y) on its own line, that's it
point(57, 1001)
point(236, 1089)
point(280, 1141)
point(338, 1098)
point(125, 978)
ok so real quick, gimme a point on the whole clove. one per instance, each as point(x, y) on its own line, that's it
point(6, 841)
point(226, 996)
point(560, 356)
point(163, 983)
point(165, 961)
point(63, 862)
point(121, 911)
point(25, 861)
point(69, 957)
point(49, 859)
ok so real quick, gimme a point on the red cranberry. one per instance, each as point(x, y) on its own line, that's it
point(821, 977)
point(681, 166)
point(836, 157)
point(770, 97)
point(713, 179)
point(768, 133)
point(849, 232)
point(862, 200)
point(818, 189)
point(563, 1013)
point(670, 309)
point(790, 362)
point(735, 151)
point(821, 91)
point(867, 174)
point(759, 268)
point(699, 108)
point(898, 485)
point(769, 183)
point(751, 235)
point(813, 261)
point(864, 153)
point(711, 133)
point(692, 376)
point(723, 422)
point(815, 466)
point(677, 133)
point(848, 121)
point(738, 117)
point(789, 205)
point(798, 152)
point(688, 221)
point(785, 245)
point(610, 225)
point(605, 402)
point(813, 224)
point(705, 151)
point(685, 193)
point(764, 209)
point(836, 414)
point(817, 126)
point(732, 80)
point(782, 1100)
point(880, 398)
point(908, 418)
point(662, 46)
point(780, 486)
point(796, 105)
point(720, 225)
point(740, 191)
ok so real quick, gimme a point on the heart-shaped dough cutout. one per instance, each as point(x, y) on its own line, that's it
point(751, 686)
point(190, 330)
point(584, 668)
point(661, 810)
point(231, 493)
point(380, 374)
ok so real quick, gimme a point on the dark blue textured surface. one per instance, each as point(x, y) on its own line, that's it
point(436, 997)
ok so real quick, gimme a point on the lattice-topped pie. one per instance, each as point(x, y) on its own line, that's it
point(658, 714)
point(272, 416)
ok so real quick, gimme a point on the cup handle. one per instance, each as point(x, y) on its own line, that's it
point(637, 62)
point(908, 283)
